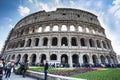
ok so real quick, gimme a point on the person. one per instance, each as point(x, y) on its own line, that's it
point(24, 68)
point(45, 70)
point(1, 69)
point(9, 67)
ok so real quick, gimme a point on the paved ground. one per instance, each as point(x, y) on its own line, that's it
point(18, 77)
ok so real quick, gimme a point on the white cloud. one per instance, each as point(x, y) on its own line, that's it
point(23, 10)
point(8, 19)
point(57, 1)
point(31, 1)
point(115, 8)
point(116, 2)
point(11, 26)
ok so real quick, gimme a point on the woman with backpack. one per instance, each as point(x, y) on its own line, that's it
point(9, 66)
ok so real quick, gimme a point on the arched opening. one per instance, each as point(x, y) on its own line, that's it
point(43, 58)
point(54, 41)
point(85, 59)
point(87, 30)
point(64, 42)
point(36, 41)
point(64, 59)
point(95, 59)
point(91, 42)
point(39, 29)
point(102, 59)
point(8, 57)
point(112, 60)
point(33, 59)
point(83, 42)
point(53, 57)
point(55, 28)
point(108, 59)
point(104, 45)
point(98, 44)
point(13, 57)
point(45, 41)
point(73, 41)
point(28, 43)
point(47, 28)
point(64, 28)
point(22, 43)
point(72, 28)
point(18, 59)
point(25, 58)
point(79, 28)
point(75, 60)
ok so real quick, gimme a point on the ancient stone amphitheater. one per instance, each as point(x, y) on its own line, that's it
point(65, 36)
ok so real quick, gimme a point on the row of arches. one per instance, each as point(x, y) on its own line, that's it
point(57, 28)
point(64, 41)
point(86, 59)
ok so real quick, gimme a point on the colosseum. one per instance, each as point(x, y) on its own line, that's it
point(65, 36)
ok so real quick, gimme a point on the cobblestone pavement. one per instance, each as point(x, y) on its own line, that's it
point(18, 77)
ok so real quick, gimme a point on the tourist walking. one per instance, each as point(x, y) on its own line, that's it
point(9, 67)
point(24, 68)
point(45, 70)
point(1, 69)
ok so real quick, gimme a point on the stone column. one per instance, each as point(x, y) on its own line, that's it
point(70, 60)
point(80, 59)
point(90, 57)
point(37, 58)
point(59, 41)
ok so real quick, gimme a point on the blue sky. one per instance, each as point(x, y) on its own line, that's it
point(108, 12)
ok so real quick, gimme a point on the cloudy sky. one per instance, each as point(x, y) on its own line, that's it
point(108, 12)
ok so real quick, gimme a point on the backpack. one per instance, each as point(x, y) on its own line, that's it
point(9, 66)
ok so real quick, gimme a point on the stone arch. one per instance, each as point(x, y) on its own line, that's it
point(8, 58)
point(91, 42)
point(36, 41)
point(13, 57)
point(53, 57)
point(54, 41)
point(64, 28)
point(83, 42)
point(73, 41)
point(85, 59)
point(104, 45)
point(112, 60)
point(87, 30)
point(18, 58)
point(33, 59)
point(28, 43)
point(80, 29)
point(25, 58)
point(64, 59)
point(98, 44)
point(75, 59)
point(72, 28)
point(39, 29)
point(43, 58)
point(95, 59)
point(45, 41)
point(47, 29)
point(102, 59)
point(108, 59)
point(64, 41)
point(55, 28)
point(22, 43)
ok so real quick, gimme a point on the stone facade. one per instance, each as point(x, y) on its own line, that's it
point(63, 36)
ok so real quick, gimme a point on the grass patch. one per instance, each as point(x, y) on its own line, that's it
point(102, 74)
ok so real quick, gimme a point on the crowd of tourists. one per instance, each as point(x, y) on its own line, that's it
point(6, 67)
